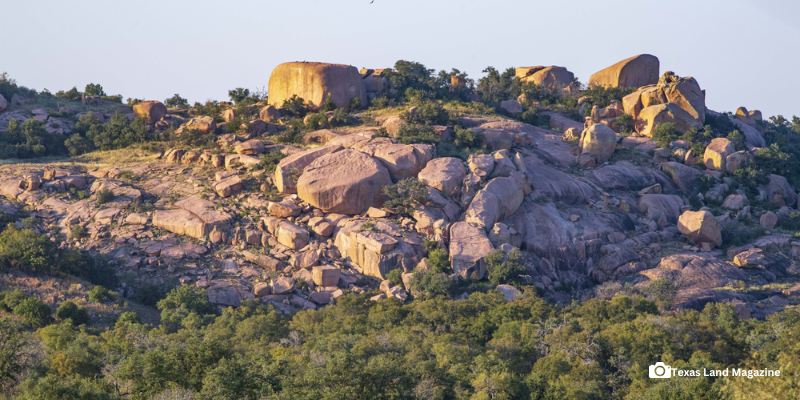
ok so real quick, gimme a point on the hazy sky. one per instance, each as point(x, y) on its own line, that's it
point(742, 52)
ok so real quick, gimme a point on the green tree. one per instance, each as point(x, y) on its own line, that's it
point(12, 343)
point(176, 101)
point(238, 95)
point(94, 89)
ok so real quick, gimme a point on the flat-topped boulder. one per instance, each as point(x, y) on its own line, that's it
point(314, 82)
point(193, 217)
point(636, 71)
point(344, 182)
point(252, 147)
point(380, 249)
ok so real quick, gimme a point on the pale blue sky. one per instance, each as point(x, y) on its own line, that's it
point(742, 52)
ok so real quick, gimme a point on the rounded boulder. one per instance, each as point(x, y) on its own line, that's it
point(345, 182)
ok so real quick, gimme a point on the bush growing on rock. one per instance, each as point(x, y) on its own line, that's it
point(602, 96)
point(238, 95)
point(104, 196)
point(504, 268)
point(395, 276)
point(404, 195)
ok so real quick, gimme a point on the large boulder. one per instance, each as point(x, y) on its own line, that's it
point(497, 201)
point(657, 205)
point(686, 93)
point(511, 106)
point(345, 182)
point(651, 117)
point(700, 227)
point(289, 169)
point(445, 174)
point(152, 111)
point(552, 76)
point(3, 103)
point(717, 153)
point(287, 233)
point(737, 160)
point(314, 82)
point(269, 114)
point(468, 247)
point(636, 71)
point(600, 141)
point(780, 192)
point(205, 125)
point(402, 161)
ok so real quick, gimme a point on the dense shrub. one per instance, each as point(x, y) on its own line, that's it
point(409, 133)
point(504, 268)
point(317, 121)
point(24, 250)
point(295, 107)
point(70, 310)
point(496, 87)
point(99, 294)
point(432, 284)
point(270, 161)
point(34, 312)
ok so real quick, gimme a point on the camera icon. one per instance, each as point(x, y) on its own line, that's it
point(660, 370)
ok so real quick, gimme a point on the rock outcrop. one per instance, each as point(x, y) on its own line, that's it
point(314, 82)
point(636, 71)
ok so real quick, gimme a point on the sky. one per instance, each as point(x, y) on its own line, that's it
point(742, 52)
